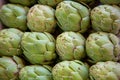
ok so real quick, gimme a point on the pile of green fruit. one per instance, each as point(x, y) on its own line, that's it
point(59, 39)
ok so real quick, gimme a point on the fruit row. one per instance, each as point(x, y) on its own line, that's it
point(59, 39)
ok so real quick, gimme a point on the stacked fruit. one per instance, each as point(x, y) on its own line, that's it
point(59, 40)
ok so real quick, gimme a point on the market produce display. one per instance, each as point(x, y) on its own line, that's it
point(70, 46)
point(24, 2)
point(52, 3)
point(35, 72)
point(110, 1)
point(10, 39)
point(38, 48)
point(108, 70)
point(10, 67)
point(59, 39)
point(73, 70)
point(72, 16)
point(14, 16)
point(101, 46)
point(41, 18)
point(106, 18)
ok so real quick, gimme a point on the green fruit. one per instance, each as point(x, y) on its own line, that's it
point(10, 42)
point(105, 71)
point(72, 16)
point(41, 18)
point(9, 67)
point(101, 46)
point(106, 18)
point(38, 48)
point(23, 2)
point(70, 70)
point(70, 46)
point(110, 1)
point(35, 72)
point(52, 3)
point(14, 16)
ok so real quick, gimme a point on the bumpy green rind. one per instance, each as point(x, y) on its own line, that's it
point(72, 16)
point(110, 1)
point(101, 46)
point(24, 2)
point(38, 48)
point(14, 16)
point(106, 18)
point(105, 71)
point(35, 72)
point(70, 70)
point(10, 42)
point(52, 3)
point(70, 46)
point(41, 18)
point(9, 67)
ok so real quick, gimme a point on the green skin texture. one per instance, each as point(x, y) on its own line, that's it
point(70, 46)
point(14, 16)
point(23, 2)
point(105, 71)
point(110, 1)
point(41, 18)
point(35, 72)
point(106, 18)
point(38, 48)
point(10, 42)
point(101, 46)
point(70, 70)
point(9, 67)
point(52, 3)
point(72, 16)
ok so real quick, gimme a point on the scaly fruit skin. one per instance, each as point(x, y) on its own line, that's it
point(14, 16)
point(101, 46)
point(38, 48)
point(72, 16)
point(70, 46)
point(41, 18)
point(10, 42)
point(35, 72)
point(70, 70)
point(106, 18)
point(52, 3)
point(110, 1)
point(105, 71)
point(9, 67)
point(23, 2)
